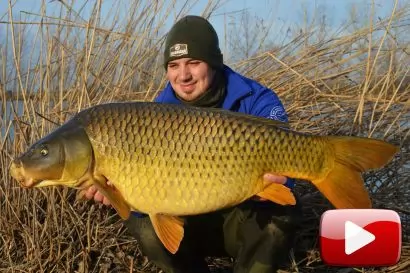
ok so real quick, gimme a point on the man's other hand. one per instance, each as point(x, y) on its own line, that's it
point(92, 193)
point(271, 178)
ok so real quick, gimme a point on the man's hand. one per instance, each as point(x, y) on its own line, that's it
point(93, 193)
point(271, 178)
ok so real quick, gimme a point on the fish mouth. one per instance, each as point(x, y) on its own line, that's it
point(28, 183)
point(18, 173)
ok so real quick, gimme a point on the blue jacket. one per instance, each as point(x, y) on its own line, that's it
point(242, 95)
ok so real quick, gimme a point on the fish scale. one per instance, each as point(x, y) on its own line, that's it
point(230, 151)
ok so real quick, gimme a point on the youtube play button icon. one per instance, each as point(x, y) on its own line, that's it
point(360, 237)
point(356, 237)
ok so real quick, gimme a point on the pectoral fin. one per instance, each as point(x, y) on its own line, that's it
point(279, 194)
point(169, 229)
point(114, 196)
point(82, 189)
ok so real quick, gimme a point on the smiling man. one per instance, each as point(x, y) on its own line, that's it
point(256, 233)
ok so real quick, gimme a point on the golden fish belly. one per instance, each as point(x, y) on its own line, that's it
point(177, 160)
point(183, 187)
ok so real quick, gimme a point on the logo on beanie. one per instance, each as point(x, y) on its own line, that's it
point(178, 50)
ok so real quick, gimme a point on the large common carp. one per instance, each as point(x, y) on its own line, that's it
point(171, 160)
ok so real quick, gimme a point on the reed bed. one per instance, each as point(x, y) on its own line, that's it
point(352, 82)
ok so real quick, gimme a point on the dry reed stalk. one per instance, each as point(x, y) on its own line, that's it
point(356, 83)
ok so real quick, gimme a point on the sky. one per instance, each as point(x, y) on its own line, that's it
point(281, 20)
point(281, 11)
point(287, 9)
point(283, 17)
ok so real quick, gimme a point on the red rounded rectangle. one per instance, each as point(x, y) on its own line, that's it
point(360, 237)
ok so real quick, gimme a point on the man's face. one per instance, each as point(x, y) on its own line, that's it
point(189, 78)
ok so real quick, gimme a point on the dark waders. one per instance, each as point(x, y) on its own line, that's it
point(258, 235)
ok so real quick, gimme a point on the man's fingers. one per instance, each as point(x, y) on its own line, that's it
point(273, 178)
point(90, 192)
point(98, 197)
point(106, 201)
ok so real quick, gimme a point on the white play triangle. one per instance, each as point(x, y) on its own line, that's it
point(356, 237)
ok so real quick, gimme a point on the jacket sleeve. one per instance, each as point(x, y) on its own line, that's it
point(267, 104)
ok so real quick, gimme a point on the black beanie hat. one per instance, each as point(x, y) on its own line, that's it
point(193, 37)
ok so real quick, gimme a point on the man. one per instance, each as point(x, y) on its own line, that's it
point(257, 233)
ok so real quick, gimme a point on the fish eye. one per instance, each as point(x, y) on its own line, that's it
point(44, 151)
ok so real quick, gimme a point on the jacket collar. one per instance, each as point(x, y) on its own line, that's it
point(236, 89)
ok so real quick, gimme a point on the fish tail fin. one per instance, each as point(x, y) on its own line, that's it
point(344, 186)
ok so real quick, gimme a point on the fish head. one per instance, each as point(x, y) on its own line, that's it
point(43, 160)
point(61, 158)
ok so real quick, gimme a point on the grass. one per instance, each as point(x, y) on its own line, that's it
point(354, 81)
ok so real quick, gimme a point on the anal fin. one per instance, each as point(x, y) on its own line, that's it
point(169, 229)
point(278, 193)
